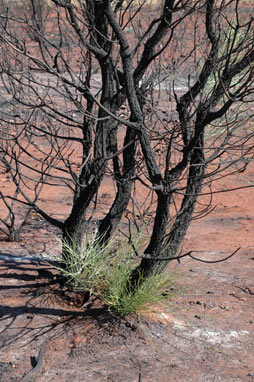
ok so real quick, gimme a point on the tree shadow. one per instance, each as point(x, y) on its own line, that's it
point(39, 307)
point(24, 266)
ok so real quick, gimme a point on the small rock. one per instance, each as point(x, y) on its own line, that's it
point(251, 321)
point(250, 375)
point(210, 292)
point(197, 316)
point(224, 307)
point(198, 302)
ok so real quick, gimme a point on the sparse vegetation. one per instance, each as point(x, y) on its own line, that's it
point(104, 272)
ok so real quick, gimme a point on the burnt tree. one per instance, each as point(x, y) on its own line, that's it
point(67, 76)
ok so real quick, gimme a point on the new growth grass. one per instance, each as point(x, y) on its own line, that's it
point(105, 272)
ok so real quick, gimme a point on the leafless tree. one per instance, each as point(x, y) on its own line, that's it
point(183, 74)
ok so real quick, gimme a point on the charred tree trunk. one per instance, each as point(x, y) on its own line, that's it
point(124, 181)
point(93, 170)
point(158, 246)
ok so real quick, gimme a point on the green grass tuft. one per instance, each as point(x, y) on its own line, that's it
point(122, 300)
point(105, 272)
